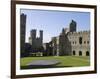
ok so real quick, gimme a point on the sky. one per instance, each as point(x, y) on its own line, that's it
point(52, 22)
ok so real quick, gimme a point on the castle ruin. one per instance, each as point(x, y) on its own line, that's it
point(36, 42)
point(69, 42)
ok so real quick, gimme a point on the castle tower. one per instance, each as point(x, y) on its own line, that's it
point(22, 31)
point(63, 31)
point(32, 38)
point(33, 33)
point(72, 27)
point(41, 37)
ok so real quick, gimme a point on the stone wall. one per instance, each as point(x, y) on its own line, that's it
point(80, 42)
point(70, 42)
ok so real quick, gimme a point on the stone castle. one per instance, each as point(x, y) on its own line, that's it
point(69, 42)
point(36, 42)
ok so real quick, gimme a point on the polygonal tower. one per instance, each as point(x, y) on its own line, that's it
point(33, 38)
point(72, 27)
point(22, 31)
point(33, 33)
point(41, 37)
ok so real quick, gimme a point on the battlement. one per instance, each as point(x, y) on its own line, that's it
point(80, 32)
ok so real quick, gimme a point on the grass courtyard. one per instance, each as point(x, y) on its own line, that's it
point(65, 61)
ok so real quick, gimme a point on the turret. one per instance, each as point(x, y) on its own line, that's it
point(41, 36)
point(72, 26)
point(33, 33)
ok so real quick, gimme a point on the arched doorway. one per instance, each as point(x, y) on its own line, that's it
point(87, 53)
point(80, 53)
point(74, 53)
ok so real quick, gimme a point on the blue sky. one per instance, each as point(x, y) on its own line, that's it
point(52, 22)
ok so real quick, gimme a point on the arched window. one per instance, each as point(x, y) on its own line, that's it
point(87, 42)
point(84, 42)
point(80, 40)
point(80, 53)
point(87, 53)
point(74, 53)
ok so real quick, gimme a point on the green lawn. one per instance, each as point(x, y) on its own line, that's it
point(66, 61)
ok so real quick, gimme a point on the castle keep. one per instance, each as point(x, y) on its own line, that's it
point(70, 42)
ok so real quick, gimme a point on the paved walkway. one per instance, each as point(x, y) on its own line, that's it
point(43, 63)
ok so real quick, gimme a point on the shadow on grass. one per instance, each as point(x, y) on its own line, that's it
point(41, 67)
